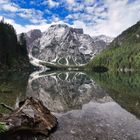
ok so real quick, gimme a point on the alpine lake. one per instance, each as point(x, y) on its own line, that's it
point(88, 106)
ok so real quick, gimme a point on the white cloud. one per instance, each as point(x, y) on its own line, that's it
point(3, 1)
point(119, 16)
point(87, 29)
point(7, 6)
point(12, 9)
point(55, 18)
point(20, 28)
point(34, 16)
point(109, 18)
point(53, 3)
point(50, 3)
point(70, 1)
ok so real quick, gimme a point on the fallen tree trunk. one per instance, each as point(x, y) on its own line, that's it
point(31, 116)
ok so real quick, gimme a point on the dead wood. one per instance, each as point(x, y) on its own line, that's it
point(31, 116)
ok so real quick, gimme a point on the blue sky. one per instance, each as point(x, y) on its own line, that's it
point(109, 17)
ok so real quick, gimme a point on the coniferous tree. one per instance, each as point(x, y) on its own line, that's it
point(13, 53)
point(8, 43)
point(22, 45)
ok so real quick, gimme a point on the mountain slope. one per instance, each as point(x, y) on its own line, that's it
point(62, 44)
point(123, 53)
point(102, 39)
point(31, 36)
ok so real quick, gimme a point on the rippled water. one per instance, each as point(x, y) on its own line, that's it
point(88, 107)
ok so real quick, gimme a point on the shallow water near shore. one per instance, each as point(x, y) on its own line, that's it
point(90, 106)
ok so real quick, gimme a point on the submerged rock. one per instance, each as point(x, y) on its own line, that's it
point(31, 116)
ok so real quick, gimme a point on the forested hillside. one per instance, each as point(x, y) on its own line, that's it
point(123, 53)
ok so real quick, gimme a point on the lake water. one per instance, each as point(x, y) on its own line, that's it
point(89, 106)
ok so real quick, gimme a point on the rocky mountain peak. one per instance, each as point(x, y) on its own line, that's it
point(65, 45)
point(36, 33)
point(31, 36)
point(103, 38)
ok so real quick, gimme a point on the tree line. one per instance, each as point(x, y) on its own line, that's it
point(11, 49)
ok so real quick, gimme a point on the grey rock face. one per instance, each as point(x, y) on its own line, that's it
point(102, 41)
point(78, 30)
point(31, 36)
point(65, 45)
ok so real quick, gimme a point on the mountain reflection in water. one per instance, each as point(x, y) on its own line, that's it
point(62, 92)
point(85, 111)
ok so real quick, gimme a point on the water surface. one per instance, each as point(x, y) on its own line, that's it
point(94, 106)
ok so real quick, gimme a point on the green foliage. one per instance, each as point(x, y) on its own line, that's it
point(123, 52)
point(22, 45)
point(2, 127)
point(8, 44)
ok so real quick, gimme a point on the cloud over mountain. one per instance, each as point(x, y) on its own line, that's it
point(109, 17)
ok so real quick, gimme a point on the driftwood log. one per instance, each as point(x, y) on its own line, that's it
point(31, 116)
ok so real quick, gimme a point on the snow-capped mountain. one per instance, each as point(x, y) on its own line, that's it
point(62, 44)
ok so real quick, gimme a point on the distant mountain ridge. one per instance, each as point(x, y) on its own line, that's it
point(65, 45)
point(123, 53)
point(106, 39)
